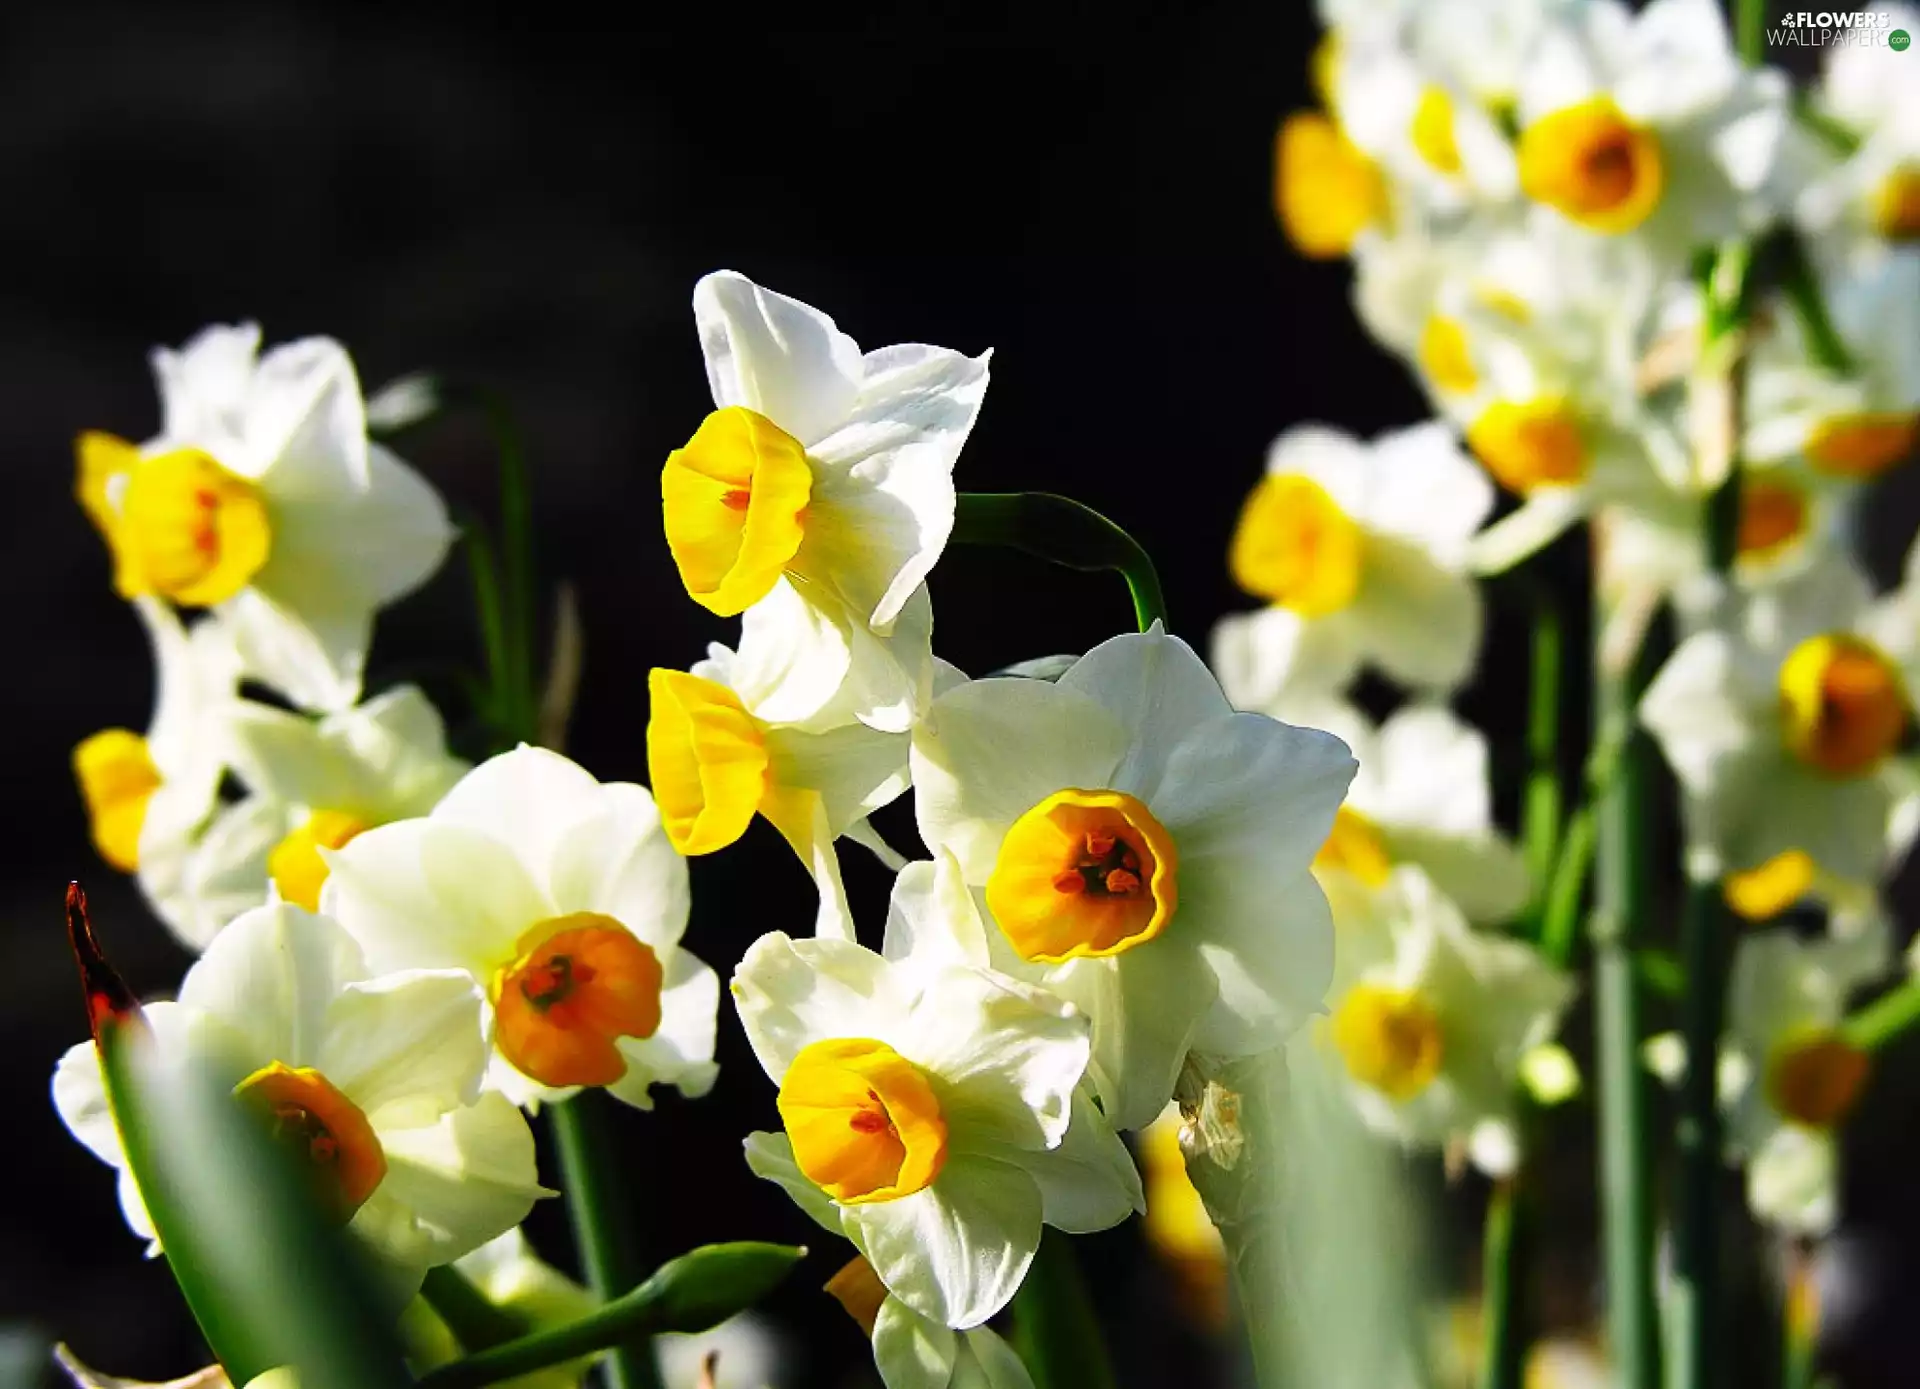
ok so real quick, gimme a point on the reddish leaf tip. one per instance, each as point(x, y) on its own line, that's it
point(108, 997)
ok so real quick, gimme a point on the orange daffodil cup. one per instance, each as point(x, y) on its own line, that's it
point(374, 1085)
point(560, 898)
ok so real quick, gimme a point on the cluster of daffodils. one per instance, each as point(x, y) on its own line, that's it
point(1536, 197)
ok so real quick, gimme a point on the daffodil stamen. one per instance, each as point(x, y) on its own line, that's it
point(1843, 704)
point(1083, 873)
point(117, 779)
point(1593, 165)
point(864, 1123)
point(1815, 1076)
point(580, 984)
point(322, 1130)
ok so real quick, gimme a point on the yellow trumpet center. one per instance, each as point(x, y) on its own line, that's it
point(117, 778)
point(734, 501)
point(1444, 356)
point(864, 1122)
point(324, 1132)
point(1772, 516)
point(1896, 204)
point(579, 984)
point(1863, 445)
point(188, 530)
point(295, 864)
point(1843, 705)
point(1326, 191)
point(1294, 546)
point(1432, 131)
point(1083, 873)
point(1814, 1077)
point(707, 759)
point(1354, 846)
point(1390, 1039)
point(1530, 444)
point(1593, 166)
point(1762, 893)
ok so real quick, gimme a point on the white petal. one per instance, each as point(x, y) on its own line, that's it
point(203, 385)
point(991, 750)
point(198, 888)
point(1705, 706)
point(1793, 1181)
point(770, 1156)
point(680, 1052)
point(80, 1098)
point(530, 799)
point(617, 861)
point(1089, 1182)
point(283, 756)
point(856, 769)
point(1157, 689)
point(1270, 942)
point(1269, 658)
point(1422, 487)
point(987, 1362)
point(1145, 1006)
point(1486, 873)
point(196, 673)
point(775, 355)
point(305, 426)
point(272, 976)
point(1434, 773)
point(957, 1251)
point(932, 917)
point(1005, 1058)
point(801, 818)
point(1247, 785)
point(912, 1351)
point(452, 1186)
point(1422, 622)
point(1542, 518)
point(406, 1048)
point(791, 994)
point(308, 644)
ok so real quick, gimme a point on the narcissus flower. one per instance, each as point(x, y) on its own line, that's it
point(562, 899)
point(262, 498)
point(311, 784)
point(1431, 1042)
point(823, 483)
point(372, 1083)
point(1784, 722)
point(916, 1352)
point(1421, 797)
point(1874, 192)
point(1144, 852)
point(931, 1108)
point(147, 795)
point(1326, 190)
point(1649, 125)
point(1361, 549)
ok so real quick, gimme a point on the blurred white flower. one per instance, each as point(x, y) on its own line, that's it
point(1362, 551)
point(1144, 852)
point(1874, 191)
point(821, 485)
point(263, 499)
point(562, 899)
point(375, 1082)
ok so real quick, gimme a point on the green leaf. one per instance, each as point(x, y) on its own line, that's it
point(1066, 533)
point(271, 1281)
point(692, 1293)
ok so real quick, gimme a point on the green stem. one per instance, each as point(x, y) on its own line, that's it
point(1801, 1322)
point(1750, 31)
point(516, 562)
point(690, 1294)
point(1697, 1347)
point(1824, 344)
point(485, 570)
point(474, 1321)
point(1501, 1291)
point(1064, 532)
point(1890, 1016)
point(1055, 1329)
point(1560, 917)
point(1623, 900)
point(602, 1224)
point(1541, 813)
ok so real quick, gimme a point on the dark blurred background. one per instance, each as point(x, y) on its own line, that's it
point(1085, 190)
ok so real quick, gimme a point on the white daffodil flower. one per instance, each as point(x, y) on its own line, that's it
point(1833, 429)
point(1481, 47)
point(1362, 550)
point(311, 784)
point(932, 1109)
point(1782, 721)
point(822, 485)
point(1144, 852)
point(1649, 125)
point(1422, 797)
point(715, 762)
point(263, 499)
point(148, 795)
point(562, 899)
point(1432, 1041)
point(1788, 1077)
point(373, 1081)
point(1874, 191)
point(916, 1352)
